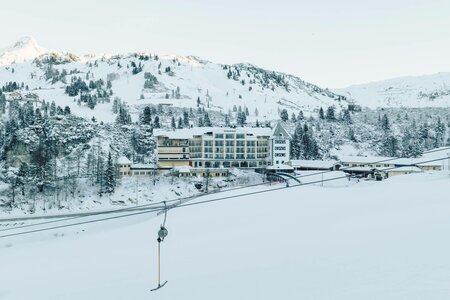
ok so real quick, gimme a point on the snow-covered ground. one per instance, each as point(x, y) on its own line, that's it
point(371, 240)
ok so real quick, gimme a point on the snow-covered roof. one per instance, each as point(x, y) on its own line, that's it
point(411, 169)
point(182, 169)
point(367, 159)
point(187, 133)
point(322, 164)
point(142, 166)
point(123, 161)
point(280, 167)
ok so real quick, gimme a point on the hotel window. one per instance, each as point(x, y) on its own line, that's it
point(240, 136)
point(219, 136)
point(229, 136)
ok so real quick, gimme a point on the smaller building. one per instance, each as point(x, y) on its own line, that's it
point(127, 168)
point(402, 171)
point(314, 165)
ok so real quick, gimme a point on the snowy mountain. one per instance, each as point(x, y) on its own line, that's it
point(412, 91)
point(148, 78)
point(24, 49)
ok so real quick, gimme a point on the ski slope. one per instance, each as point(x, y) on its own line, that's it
point(410, 91)
point(371, 240)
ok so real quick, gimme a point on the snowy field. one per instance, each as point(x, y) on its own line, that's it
point(371, 240)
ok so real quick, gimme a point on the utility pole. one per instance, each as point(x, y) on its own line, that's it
point(207, 181)
point(154, 171)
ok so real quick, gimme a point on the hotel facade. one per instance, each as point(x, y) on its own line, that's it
point(216, 147)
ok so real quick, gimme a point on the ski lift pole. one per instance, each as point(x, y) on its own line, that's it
point(162, 233)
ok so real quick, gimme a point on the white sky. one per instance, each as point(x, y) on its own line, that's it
point(328, 42)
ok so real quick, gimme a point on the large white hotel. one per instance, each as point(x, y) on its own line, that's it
point(217, 147)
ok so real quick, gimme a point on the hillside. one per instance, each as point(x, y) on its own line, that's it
point(148, 78)
point(413, 91)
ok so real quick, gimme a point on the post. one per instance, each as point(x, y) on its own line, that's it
point(159, 263)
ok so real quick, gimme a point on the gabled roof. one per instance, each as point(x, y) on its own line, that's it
point(123, 161)
point(280, 130)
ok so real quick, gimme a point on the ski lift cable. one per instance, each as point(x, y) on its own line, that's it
point(192, 203)
point(151, 205)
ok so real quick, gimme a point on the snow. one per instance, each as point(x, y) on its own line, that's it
point(195, 78)
point(319, 164)
point(123, 160)
point(24, 49)
point(359, 242)
point(366, 159)
point(411, 169)
point(410, 91)
point(280, 167)
point(143, 166)
point(187, 133)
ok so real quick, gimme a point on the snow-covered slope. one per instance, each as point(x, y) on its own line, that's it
point(373, 240)
point(413, 91)
point(218, 87)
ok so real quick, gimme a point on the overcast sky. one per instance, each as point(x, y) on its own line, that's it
point(331, 43)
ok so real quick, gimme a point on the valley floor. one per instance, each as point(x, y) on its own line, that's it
point(371, 240)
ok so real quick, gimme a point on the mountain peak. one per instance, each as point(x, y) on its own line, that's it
point(26, 48)
point(26, 41)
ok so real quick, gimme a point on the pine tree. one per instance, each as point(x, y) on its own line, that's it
point(385, 123)
point(123, 117)
point(91, 103)
point(331, 113)
point(200, 122)
point(156, 123)
point(206, 120)
point(116, 104)
point(284, 115)
point(439, 130)
point(293, 117)
point(346, 117)
point(186, 119)
point(180, 123)
point(241, 119)
point(146, 116)
point(67, 110)
point(52, 109)
point(110, 178)
point(321, 114)
point(227, 121)
point(172, 123)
